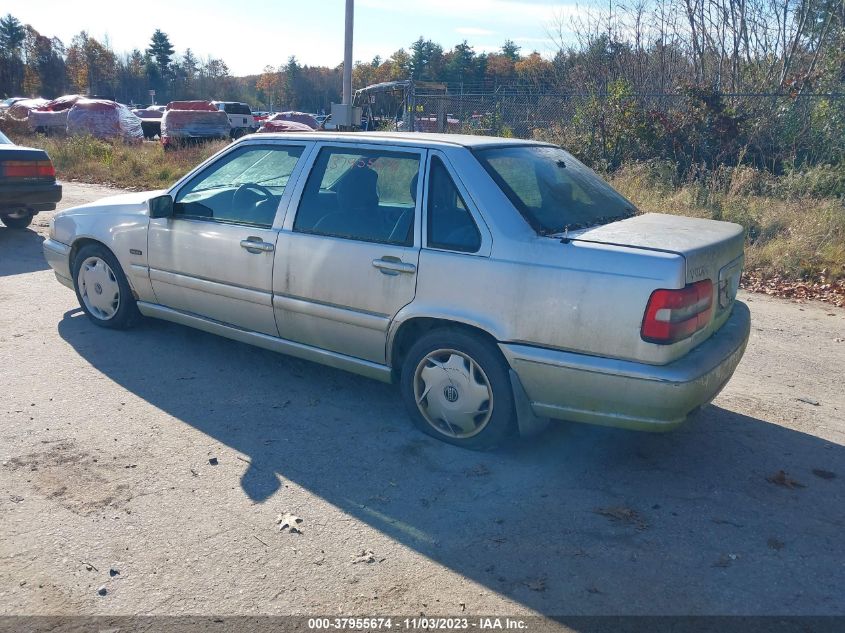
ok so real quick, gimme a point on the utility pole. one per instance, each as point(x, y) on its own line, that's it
point(344, 116)
point(347, 53)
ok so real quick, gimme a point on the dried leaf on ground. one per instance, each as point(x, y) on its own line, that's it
point(479, 470)
point(289, 522)
point(725, 560)
point(623, 515)
point(780, 478)
point(366, 556)
point(821, 289)
point(536, 584)
point(824, 474)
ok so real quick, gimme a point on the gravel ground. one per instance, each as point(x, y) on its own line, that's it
point(166, 454)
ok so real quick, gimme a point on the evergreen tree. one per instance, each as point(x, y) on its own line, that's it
point(161, 50)
point(292, 81)
point(12, 36)
point(511, 50)
point(426, 59)
point(461, 65)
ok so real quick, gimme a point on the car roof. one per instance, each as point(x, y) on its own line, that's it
point(414, 139)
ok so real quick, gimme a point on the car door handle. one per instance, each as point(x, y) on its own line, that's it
point(393, 266)
point(255, 245)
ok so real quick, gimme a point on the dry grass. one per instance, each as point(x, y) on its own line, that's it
point(140, 166)
point(796, 236)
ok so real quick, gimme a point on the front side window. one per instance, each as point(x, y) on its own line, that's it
point(450, 224)
point(552, 189)
point(244, 186)
point(367, 195)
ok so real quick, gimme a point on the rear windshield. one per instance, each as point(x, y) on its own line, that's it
point(237, 108)
point(552, 189)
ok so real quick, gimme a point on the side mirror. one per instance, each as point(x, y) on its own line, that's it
point(161, 206)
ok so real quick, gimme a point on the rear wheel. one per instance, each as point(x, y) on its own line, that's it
point(102, 288)
point(17, 219)
point(456, 388)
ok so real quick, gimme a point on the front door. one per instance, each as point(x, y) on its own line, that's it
point(214, 257)
point(346, 263)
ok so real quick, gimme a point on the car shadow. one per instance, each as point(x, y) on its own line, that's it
point(20, 252)
point(580, 520)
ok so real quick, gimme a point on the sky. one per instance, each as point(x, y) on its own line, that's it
point(251, 35)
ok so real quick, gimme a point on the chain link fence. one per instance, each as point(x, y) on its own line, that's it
point(773, 127)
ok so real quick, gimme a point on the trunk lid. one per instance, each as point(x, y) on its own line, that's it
point(711, 249)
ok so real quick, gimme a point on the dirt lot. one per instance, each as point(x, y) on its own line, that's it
point(106, 440)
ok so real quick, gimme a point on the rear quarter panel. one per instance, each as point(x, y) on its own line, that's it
point(581, 298)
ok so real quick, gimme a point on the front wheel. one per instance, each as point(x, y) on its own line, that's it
point(102, 288)
point(17, 219)
point(456, 388)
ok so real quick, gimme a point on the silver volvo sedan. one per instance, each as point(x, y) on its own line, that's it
point(499, 282)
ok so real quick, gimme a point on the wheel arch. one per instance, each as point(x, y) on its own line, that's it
point(404, 334)
point(81, 242)
point(408, 330)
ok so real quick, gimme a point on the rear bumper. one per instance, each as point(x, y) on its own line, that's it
point(58, 256)
point(35, 197)
point(626, 394)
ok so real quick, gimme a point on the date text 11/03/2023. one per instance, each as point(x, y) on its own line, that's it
point(417, 623)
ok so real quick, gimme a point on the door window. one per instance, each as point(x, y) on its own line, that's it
point(243, 187)
point(450, 224)
point(367, 195)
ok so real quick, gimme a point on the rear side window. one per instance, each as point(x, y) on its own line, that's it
point(450, 224)
point(367, 195)
point(237, 108)
point(553, 190)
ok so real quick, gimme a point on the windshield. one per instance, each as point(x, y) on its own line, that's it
point(5, 139)
point(552, 189)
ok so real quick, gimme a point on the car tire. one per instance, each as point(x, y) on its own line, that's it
point(447, 368)
point(17, 221)
point(102, 289)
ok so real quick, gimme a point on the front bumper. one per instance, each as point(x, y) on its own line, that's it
point(58, 256)
point(31, 196)
point(627, 394)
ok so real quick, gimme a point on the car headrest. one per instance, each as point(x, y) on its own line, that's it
point(413, 188)
point(358, 190)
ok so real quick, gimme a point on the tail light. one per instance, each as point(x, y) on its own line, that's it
point(28, 169)
point(673, 315)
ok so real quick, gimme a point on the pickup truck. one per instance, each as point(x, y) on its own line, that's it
point(241, 119)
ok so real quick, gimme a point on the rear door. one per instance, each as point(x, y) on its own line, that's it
point(347, 259)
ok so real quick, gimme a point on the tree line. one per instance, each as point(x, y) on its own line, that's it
point(654, 46)
point(699, 82)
